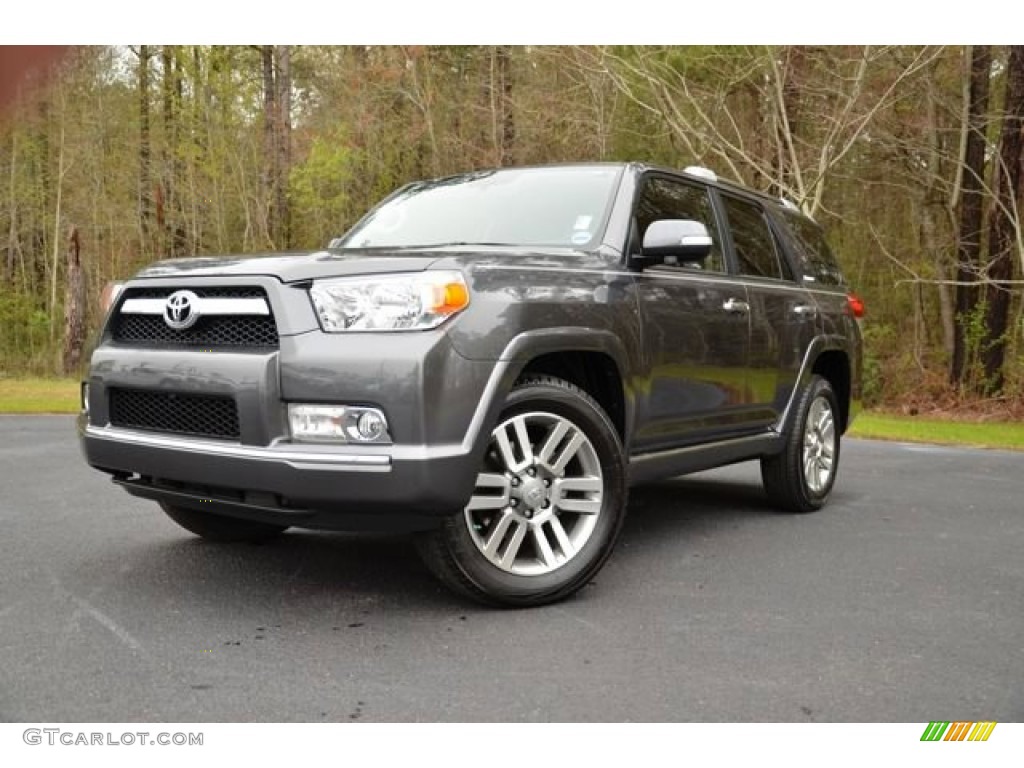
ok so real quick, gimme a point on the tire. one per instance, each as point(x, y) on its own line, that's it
point(210, 525)
point(548, 506)
point(800, 478)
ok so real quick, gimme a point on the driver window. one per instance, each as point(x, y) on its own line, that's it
point(662, 198)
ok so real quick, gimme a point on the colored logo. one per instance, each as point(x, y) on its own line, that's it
point(958, 731)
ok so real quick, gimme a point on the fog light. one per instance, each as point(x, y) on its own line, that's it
point(371, 425)
point(337, 424)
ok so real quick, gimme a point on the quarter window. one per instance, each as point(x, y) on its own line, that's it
point(810, 246)
point(752, 240)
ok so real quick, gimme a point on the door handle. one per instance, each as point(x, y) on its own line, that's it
point(805, 310)
point(737, 307)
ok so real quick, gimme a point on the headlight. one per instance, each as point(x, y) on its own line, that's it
point(402, 302)
point(109, 295)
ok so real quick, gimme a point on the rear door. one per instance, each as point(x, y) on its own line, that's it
point(783, 315)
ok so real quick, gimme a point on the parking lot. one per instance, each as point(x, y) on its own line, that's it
point(901, 601)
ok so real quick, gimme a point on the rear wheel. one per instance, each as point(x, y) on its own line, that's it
point(216, 527)
point(800, 478)
point(548, 504)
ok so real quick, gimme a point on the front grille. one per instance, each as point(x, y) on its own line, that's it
point(232, 331)
point(196, 415)
point(215, 331)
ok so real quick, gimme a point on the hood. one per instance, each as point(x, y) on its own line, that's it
point(297, 267)
point(292, 267)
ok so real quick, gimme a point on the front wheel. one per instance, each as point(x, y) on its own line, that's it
point(548, 505)
point(800, 478)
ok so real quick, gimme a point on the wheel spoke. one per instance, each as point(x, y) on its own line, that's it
point(523, 439)
point(516, 450)
point(509, 556)
point(476, 503)
point(544, 547)
point(828, 433)
point(491, 480)
point(587, 484)
point(498, 534)
point(580, 506)
point(568, 550)
point(488, 480)
point(811, 472)
point(568, 452)
point(508, 456)
point(555, 436)
point(824, 418)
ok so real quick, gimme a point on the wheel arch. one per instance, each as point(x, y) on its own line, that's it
point(594, 360)
point(828, 357)
point(834, 366)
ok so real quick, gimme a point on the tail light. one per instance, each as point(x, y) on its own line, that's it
point(856, 305)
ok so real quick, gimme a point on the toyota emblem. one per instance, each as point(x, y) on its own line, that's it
point(181, 310)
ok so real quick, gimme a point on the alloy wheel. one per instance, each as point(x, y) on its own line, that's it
point(539, 495)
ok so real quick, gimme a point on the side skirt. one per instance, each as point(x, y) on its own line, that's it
point(695, 458)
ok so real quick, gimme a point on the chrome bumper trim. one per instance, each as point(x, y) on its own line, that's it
point(299, 459)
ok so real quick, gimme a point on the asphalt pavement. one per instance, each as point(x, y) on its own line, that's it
point(901, 601)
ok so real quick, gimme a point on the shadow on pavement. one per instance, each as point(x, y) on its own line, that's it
point(311, 567)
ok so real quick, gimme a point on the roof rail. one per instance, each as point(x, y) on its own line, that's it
point(701, 172)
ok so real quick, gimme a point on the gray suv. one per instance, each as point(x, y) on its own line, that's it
point(488, 361)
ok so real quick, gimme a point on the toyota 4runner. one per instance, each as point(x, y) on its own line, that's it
point(489, 361)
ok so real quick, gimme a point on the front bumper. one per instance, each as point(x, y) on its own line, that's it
point(311, 486)
point(437, 404)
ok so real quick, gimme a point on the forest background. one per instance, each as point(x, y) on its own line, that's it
point(911, 157)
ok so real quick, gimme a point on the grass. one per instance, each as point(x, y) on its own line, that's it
point(61, 396)
point(39, 395)
point(913, 429)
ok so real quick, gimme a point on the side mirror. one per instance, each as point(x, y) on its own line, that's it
point(683, 239)
point(335, 242)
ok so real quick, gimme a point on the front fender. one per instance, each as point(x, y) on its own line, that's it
point(529, 345)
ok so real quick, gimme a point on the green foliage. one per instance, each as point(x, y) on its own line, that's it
point(877, 339)
point(975, 334)
point(39, 395)
point(319, 189)
point(914, 429)
point(25, 342)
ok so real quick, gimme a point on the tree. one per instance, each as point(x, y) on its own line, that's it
point(74, 307)
point(972, 201)
point(1005, 226)
point(277, 85)
point(774, 118)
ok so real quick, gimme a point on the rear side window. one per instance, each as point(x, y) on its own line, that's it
point(809, 246)
point(753, 241)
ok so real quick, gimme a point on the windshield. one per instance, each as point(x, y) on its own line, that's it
point(560, 207)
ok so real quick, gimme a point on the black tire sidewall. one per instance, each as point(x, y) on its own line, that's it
point(819, 387)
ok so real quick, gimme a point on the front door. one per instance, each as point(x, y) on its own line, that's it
point(695, 325)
